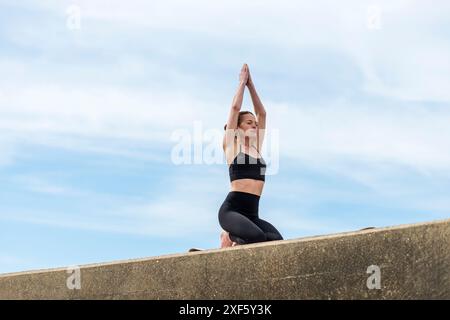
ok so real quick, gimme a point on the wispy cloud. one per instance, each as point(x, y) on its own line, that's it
point(42, 185)
point(6, 152)
point(179, 212)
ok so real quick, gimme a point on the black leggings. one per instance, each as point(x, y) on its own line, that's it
point(238, 215)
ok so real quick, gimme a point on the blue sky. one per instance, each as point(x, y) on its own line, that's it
point(357, 91)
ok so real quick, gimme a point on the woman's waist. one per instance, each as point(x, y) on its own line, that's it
point(252, 186)
point(243, 200)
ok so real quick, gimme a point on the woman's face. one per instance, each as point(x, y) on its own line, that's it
point(249, 125)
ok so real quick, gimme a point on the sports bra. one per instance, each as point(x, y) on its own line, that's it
point(244, 168)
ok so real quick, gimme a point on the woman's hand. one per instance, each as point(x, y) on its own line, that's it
point(243, 77)
point(249, 81)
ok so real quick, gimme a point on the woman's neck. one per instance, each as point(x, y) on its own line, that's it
point(247, 144)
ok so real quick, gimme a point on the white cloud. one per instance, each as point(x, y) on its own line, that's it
point(178, 212)
point(7, 152)
point(42, 185)
point(418, 137)
point(405, 59)
point(340, 135)
point(100, 120)
point(411, 70)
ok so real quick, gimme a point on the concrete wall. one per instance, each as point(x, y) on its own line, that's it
point(413, 260)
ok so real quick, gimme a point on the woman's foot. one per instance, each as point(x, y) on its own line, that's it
point(225, 240)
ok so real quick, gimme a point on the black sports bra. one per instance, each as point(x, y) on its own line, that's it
point(243, 167)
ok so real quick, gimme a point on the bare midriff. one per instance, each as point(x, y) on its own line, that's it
point(248, 185)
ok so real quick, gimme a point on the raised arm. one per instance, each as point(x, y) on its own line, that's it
point(257, 104)
point(236, 105)
point(260, 111)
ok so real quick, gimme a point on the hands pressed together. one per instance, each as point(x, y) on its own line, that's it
point(245, 77)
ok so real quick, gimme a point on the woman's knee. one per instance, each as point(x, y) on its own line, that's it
point(252, 236)
point(271, 236)
point(257, 235)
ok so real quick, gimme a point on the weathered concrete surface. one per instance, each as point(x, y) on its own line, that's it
point(414, 262)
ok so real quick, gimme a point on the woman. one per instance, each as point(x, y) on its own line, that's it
point(244, 134)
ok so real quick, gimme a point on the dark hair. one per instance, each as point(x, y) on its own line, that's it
point(241, 113)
